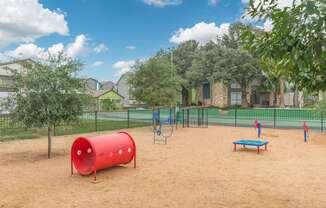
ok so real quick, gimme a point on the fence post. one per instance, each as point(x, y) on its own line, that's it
point(198, 115)
point(322, 121)
point(188, 118)
point(207, 117)
point(235, 116)
point(274, 121)
point(183, 118)
point(128, 118)
point(95, 120)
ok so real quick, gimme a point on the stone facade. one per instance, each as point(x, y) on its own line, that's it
point(219, 95)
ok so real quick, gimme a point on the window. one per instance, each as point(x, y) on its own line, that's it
point(206, 91)
point(235, 86)
point(236, 98)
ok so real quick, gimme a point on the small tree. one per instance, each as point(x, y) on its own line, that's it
point(155, 83)
point(107, 105)
point(48, 93)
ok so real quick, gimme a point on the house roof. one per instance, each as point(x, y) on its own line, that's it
point(108, 84)
point(99, 93)
point(18, 61)
point(123, 75)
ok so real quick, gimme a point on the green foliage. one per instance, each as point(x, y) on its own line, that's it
point(152, 82)
point(297, 42)
point(48, 93)
point(225, 61)
point(320, 106)
point(208, 64)
point(155, 82)
point(183, 57)
point(107, 105)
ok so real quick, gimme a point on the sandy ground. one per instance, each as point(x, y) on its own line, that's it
point(196, 169)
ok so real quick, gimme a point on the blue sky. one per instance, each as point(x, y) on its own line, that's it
point(108, 35)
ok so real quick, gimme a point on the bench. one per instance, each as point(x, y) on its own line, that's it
point(247, 142)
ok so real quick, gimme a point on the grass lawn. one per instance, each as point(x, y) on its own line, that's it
point(83, 126)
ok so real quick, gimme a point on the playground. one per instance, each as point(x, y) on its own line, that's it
point(197, 168)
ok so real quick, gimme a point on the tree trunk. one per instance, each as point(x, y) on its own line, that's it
point(272, 99)
point(49, 142)
point(282, 90)
point(185, 96)
point(244, 99)
point(296, 98)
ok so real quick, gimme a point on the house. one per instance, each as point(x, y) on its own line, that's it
point(6, 75)
point(107, 85)
point(221, 95)
point(123, 88)
point(92, 84)
point(108, 100)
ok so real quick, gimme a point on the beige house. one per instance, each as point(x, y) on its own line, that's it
point(220, 95)
point(6, 75)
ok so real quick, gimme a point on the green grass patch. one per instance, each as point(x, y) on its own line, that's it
point(84, 126)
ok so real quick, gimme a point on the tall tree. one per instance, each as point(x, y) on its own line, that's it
point(48, 93)
point(242, 68)
point(297, 41)
point(155, 82)
point(182, 58)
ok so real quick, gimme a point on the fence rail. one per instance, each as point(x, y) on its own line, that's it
point(101, 121)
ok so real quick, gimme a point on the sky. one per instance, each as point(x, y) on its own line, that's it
point(109, 35)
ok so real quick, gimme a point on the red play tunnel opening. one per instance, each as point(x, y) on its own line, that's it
point(83, 155)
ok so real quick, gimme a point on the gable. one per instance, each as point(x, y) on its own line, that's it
point(110, 95)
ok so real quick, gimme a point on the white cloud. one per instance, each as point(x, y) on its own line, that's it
point(77, 47)
point(97, 63)
point(101, 48)
point(30, 50)
point(245, 1)
point(56, 48)
point(213, 2)
point(162, 3)
point(268, 25)
point(201, 32)
point(131, 48)
point(27, 20)
point(123, 66)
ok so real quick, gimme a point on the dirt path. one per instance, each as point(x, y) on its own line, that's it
point(196, 169)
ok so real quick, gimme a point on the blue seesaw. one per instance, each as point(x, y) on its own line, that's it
point(249, 142)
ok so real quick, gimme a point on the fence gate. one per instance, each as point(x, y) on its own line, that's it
point(194, 117)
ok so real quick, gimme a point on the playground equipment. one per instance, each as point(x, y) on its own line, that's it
point(255, 143)
point(259, 126)
point(88, 155)
point(162, 129)
point(305, 131)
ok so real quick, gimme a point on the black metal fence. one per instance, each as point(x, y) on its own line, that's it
point(186, 117)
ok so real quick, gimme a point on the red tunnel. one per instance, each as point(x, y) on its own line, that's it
point(89, 155)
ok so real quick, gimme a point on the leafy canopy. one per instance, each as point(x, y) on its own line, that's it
point(297, 41)
point(155, 82)
point(48, 93)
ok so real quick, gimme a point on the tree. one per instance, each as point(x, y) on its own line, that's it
point(182, 58)
point(242, 68)
point(206, 65)
point(225, 61)
point(297, 41)
point(154, 82)
point(48, 93)
point(107, 105)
